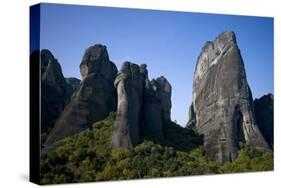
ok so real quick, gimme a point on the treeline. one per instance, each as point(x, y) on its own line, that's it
point(88, 156)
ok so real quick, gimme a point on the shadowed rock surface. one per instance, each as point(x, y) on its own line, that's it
point(129, 84)
point(53, 88)
point(222, 100)
point(95, 98)
point(191, 124)
point(143, 106)
point(157, 107)
point(72, 86)
point(164, 91)
point(264, 114)
point(96, 60)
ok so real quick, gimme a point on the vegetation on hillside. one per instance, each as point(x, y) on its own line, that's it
point(88, 156)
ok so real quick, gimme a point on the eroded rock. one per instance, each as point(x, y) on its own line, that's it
point(164, 91)
point(143, 106)
point(264, 111)
point(222, 100)
point(72, 86)
point(157, 107)
point(53, 90)
point(129, 83)
point(191, 124)
point(94, 99)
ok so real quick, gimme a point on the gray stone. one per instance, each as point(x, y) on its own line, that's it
point(53, 90)
point(164, 91)
point(222, 100)
point(152, 123)
point(143, 106)
point(264, 111)
point(96, 60)
point(72, 86)
point(94, 99)
point(129, 83)
point(156, 107)
point(191, 124)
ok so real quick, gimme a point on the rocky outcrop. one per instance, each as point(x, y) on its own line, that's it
point(143, 106)
point(129, 84)
point(164, 92)
point(222, 100)
point(72, 86)
point(264, 111)
point(157, 107)
point(96, 61)
point(94, 99)
point(191, 124)
point(53, 90)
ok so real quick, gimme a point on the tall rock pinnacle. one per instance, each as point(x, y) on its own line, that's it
point(54, 90)
point(94, 99)
point(129, 84)
point(143, 106)
point(222, 104)
point(157, 107)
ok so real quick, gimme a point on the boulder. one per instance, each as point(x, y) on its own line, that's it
point(94, 99)
point(222, 100)
point(264, 111)
point(53, 90)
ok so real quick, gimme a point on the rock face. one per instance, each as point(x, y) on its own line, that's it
point(72, 86)
point(96, 61)
point(164, 91)
point(157, 107)
point(94, 99)
point(222, 105)
point(191, 124)
point(53, 88)
point(264, 116)
point(129, 84)
point(143, 106)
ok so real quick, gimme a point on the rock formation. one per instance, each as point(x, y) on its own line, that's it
point(191, 124)
point(129, 84)
point(143, 106)
point(72, 86)
point(53, 90)
point(94, 99)
point(157, 107)
point(164, 91)
point(222, 100)
point(96, 60)
point(264, 116)
point(83, 70)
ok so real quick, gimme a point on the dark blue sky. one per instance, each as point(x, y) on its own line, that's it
point(168, 42)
